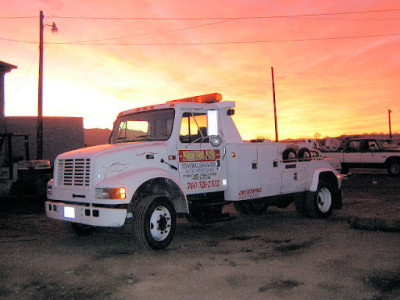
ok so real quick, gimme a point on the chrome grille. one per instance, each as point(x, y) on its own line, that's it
point(73, 172)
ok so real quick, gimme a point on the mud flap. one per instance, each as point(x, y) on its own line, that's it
point(337, 203)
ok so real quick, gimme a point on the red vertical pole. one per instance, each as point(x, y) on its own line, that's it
point(273, 95)
point(390, 123)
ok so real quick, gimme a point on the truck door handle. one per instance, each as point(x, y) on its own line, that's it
point(78, 196)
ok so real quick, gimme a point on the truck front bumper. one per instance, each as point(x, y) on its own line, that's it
point(90, 215)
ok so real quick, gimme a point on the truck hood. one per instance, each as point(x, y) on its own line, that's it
point(107, 161)
point(101, 150)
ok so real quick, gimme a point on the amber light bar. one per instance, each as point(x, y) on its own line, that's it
point(207, 98)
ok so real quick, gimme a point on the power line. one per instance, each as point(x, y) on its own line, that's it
point(233, 42)
point(81, 43)
point(18, 41)
point(24, 79)
point(195, 26)
point(97, 42)
point(346, 19)
point(19, 17)
point(85, 42)
point(145, 34)
point(207, 18)
point(223, 18)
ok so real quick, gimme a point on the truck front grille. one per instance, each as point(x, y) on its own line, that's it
point(73, 172)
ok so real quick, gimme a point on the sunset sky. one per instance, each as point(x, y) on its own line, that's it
point(336, 63)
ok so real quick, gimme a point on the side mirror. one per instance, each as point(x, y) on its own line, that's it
point(215, 140)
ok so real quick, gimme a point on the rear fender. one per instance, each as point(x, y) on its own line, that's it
point(391, 158)
point(316, 178)
point(329, 176)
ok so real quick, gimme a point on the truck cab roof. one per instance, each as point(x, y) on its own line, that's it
point(207, 101)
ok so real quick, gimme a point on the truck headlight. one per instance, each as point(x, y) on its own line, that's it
point(49, 187)
point(49, 190)
point(111, 193)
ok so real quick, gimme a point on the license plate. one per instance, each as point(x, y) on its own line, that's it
point(69, 212)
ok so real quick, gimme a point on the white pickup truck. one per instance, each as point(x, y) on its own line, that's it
point(183, 157)
point(368, 153)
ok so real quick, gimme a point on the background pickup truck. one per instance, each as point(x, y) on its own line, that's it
point(368, 153)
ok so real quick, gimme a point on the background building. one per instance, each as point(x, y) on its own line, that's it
point(60, 134)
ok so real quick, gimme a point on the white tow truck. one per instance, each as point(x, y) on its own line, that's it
point(183, 157)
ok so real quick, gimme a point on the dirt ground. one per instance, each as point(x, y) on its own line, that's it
point(278, 255)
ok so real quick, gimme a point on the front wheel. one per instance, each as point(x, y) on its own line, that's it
point(154, 222)
point(319, 204)
point(394, 168)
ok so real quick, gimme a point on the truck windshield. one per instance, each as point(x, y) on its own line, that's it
point(389, 145)
point(152, 125)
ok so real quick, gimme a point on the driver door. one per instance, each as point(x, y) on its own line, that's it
point(201, 166)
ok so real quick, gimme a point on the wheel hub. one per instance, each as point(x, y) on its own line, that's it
point(324, 200)
point(160, 223)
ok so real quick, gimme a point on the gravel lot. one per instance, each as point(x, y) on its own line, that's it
point(278, 255)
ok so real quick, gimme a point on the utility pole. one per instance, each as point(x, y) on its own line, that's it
point(273, 95)
point(390, 123)
point(39, 145)
point(54, 29)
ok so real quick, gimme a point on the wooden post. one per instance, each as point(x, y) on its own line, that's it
point(39, 149)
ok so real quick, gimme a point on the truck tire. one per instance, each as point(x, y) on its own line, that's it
point(238, 206)
point(252, 207)
point(81, 229)
point(154, 222)
point(319, 204)
point(304, 154)
point(394, 167)
point(289, 155)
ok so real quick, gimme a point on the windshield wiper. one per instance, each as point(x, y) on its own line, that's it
point(145, 136)
point(119, 139)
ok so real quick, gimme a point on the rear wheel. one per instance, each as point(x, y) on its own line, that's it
point(154, 222)
point(394, 167)
point(319, 204)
